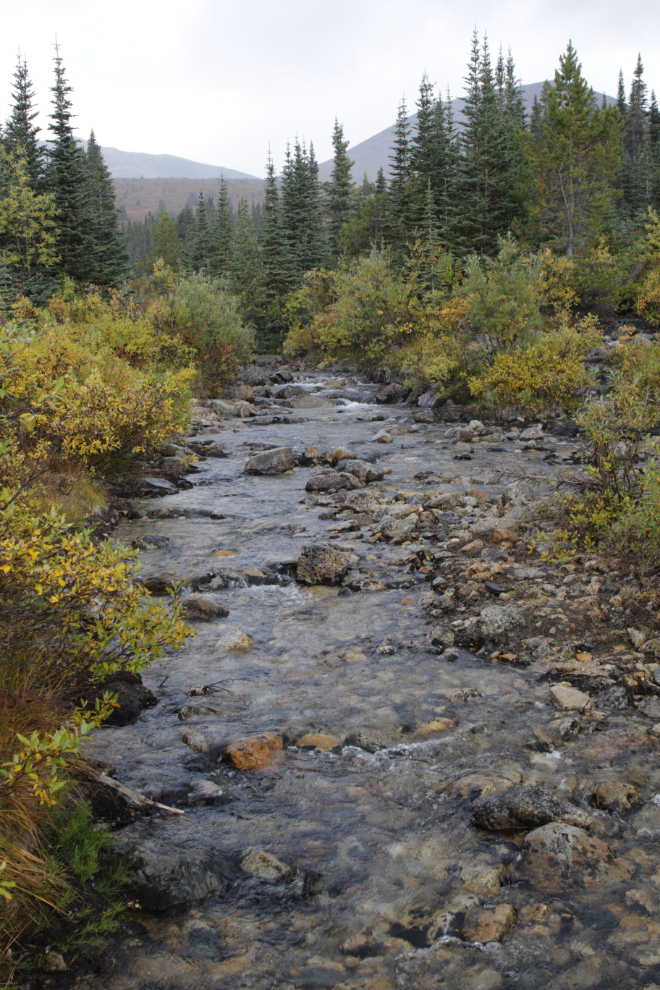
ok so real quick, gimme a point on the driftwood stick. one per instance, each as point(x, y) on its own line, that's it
point(135, 796)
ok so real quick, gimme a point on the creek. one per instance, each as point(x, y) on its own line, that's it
point(362, 869)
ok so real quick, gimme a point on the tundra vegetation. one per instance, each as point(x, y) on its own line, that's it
point(491, 257)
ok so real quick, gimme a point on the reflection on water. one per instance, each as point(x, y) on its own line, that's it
point(382, 864)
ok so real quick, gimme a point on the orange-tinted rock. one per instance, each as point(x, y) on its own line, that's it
point(559, 856)
point(317, 740)
point(489, 924)
point(253, 752)
point(500, 535)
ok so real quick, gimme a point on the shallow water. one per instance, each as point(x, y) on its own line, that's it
point(380, 844)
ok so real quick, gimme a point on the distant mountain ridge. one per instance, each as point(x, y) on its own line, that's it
point(368, 155)
point(139, 165)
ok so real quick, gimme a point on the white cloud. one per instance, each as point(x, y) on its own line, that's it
point(217, 81)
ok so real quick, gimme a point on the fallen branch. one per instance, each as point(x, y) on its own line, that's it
point(135, 796)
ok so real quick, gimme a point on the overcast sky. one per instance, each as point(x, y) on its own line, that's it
point(218, 82)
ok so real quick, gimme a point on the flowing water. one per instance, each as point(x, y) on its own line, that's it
point(384, 860)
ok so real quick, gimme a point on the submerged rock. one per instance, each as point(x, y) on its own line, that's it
point(558, 856)
point(203, 610)
point(612, 795)
point(524, 807)
point(489, 924)
point(234, 639)
point(275, 461)
point(321, 563)
point(163, 878)
point(261, 864)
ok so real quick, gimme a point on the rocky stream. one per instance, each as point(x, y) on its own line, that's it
point(403, 750)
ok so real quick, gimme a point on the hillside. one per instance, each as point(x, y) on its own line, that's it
point(136, 164)
point(141, 196)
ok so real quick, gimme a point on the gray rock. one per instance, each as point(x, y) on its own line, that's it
point(252, 376)
point(498, 624)
point(361, 502)
point(147, 542)
point(289, 392)
point(330, 481)
point(203, 610)
point(310, 402)
point(269, 462)
point(362, 470)
point(163, 877)
point(525, 807)
point(321, 563)
point(214, 449)
point(158, 486)
point(557, 857)
point(372, 740)
point(238, 392)
point(393, 528)
point(520, 490)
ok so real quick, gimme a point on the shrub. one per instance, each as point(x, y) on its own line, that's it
point(543, 374)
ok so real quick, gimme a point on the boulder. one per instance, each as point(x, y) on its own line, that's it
point(163, 877)
point(253, 376)
point(612, 795)
point(132, 697)
point(156, 486)
point(275, 461)
point(252, 752)
point(234, 639)
point(390, 393)
point(365, 472)
point(311, 457)
point(147, 542)
point(310, 402)
point(498, 624)
point(343, 454)
point(321, 563)
point(394, 528)
point(364, 501)
point(330, 481)
point(289, 392)
point(524, 807)
point(559, 856)
point(568, 698)
point(489, 924)
point(203, 610)
point(239, 392)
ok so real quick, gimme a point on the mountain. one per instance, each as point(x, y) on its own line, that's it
point(137, 165)
point(372, 154)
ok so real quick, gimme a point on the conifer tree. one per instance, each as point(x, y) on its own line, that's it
point(339, 187)
point(246, 273)
point(108, 262)
point(201, 241)
point(166, 242)
point(422, 149)
point(66, 180)
point(222, 234)
point(637, 164)
point(21, 133)
point(399, 192)
point(275, 251)
point(381, 183)
point(575, 163)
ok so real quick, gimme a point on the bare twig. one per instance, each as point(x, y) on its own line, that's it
point(135, 796)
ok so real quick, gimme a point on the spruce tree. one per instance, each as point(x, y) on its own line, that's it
point(223, 232)
point(21, 133)
point(108, 261)
point(166, 242)
point(399, 192)
point(422, 149)
point(66, 180)
point(275, 251)
point(201, 242)
point(339, 187)
point(246, 273)
point(636, 142)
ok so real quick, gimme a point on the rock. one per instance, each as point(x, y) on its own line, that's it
point(524, 807)
point(441, 636)
point(310, 402)
point(252, 376)
point(252, 752)
point(397, 431)
point(382, 437)
point(311, 457)
point(568, 698)
point(519, 490)
point(637, 637)
point(474, 785)
point(372, 740)
point(486, 883)
point(386, 648)
point(239, 392)
point(533, 433)
point(150, 542)
point(365, 472)
point(497, 625)
point(234, 639)
point(163, 878)
point(203, 610)
point(157, 486)
point(489, 924)
point(330, 481)
point(390, 393)
point(615, 796)
point(650, 707)
point(275, 461)
point(397, 528)
point(462, 450)
point(261, 864)
point(196, 741)
point(436, 725)
point(214, 449)
point(364, 501)
point(174, 467)
point(53, 962)
point(655, 731)
point(321, 563)
point(558, 856)
point(132, 697)
point(318, 740)
point(289, 392)
point(343, 454)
